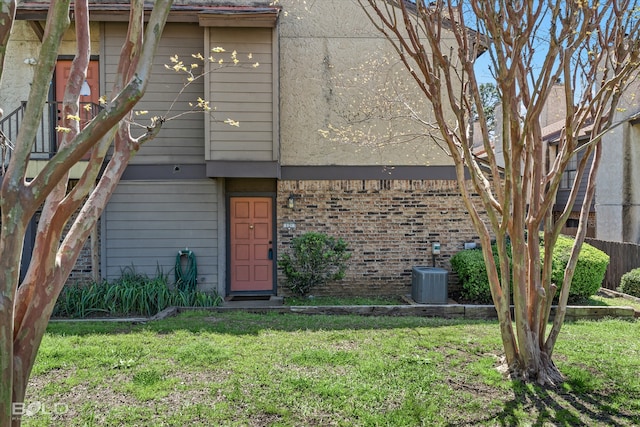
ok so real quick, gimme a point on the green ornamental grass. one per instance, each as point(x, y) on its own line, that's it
point(131, 294)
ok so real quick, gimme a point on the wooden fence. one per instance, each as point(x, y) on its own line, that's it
point(623, 258)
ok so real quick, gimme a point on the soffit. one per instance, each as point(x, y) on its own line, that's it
point(235, 16)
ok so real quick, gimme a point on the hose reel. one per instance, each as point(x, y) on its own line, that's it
point(187, 276)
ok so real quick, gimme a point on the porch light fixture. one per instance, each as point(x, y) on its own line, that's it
point(291, 201)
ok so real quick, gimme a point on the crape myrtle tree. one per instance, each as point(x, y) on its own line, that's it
point(25, 310)
point(593, 47)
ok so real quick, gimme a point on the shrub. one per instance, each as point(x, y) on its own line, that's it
point(590, 269)
point(315, 259)
point(131, 294)
point(472, 272)
point(587, 279)
point(630, 283)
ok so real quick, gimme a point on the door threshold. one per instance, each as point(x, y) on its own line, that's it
point(248, 297)
point(252, 301)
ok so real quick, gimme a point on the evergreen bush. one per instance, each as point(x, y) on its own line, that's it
point(630, 283)
point(590, 269)
point(589, 274)
point(472, 272)
point(314, 259)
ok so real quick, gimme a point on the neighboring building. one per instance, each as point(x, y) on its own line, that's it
point(314, 150)
point(552, 122)
point(618, 182)
point(551, 135)
point(615, 212)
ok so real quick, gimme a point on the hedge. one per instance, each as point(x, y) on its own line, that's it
point(472, 272)
point(630, 283)
point(589, 274)
point(590, 270)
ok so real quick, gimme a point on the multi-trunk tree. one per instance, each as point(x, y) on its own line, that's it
point(594, 48)
point(25, 307)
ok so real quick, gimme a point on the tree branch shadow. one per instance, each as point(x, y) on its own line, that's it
point(567, 404)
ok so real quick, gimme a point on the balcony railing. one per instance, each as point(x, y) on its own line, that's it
point(45, 144)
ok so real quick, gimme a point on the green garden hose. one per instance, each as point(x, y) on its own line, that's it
point(187, 278)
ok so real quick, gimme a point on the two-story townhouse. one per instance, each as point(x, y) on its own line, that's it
point(321, 145)
point(615, 212)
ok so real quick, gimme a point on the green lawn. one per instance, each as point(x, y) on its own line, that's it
point(614, 301)
point(241, 369)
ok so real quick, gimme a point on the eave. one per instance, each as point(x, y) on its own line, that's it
point(225, 16)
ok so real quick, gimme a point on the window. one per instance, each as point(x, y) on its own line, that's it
point(572, 223)
point(569, 175)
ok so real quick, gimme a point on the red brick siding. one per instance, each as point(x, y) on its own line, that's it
point(575, 215)
point(81, 272)
point(390, 226)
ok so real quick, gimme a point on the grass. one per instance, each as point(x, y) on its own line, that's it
point(613, 301)
point(292, 370)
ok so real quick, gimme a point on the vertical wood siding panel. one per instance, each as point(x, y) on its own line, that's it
point(563, 195)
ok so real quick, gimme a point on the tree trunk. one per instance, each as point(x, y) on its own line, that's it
point(516, 198)
point(25, 311)
point(11, 249)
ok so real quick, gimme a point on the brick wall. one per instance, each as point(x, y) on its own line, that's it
point(82, 272)
point(390, 226)
point(571, 229)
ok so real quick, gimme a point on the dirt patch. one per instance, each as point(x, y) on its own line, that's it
point(88, 400)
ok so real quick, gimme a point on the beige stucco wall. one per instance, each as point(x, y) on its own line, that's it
point(17, 75)
point(617, 189)
point(342, 92)
point(25, 46)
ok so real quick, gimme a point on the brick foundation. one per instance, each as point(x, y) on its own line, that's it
point(82, 272)
point(390, 226)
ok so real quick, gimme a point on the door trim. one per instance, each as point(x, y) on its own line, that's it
point(228, 196)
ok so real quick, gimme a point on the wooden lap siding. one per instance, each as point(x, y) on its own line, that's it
point(147, 222)
point(181, 140)
point(242, 93)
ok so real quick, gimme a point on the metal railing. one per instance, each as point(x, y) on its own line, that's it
point(45, 144)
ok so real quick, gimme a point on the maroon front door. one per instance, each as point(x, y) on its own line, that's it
point(63, 69)
point(251, 242)
point(89, 95)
